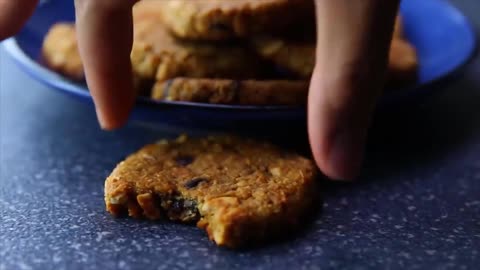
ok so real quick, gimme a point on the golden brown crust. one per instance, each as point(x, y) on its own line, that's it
point(246, 92)
point(223, 19)
point(298, 57)
point(60, 51)
point(238, 190)
point(157, 54)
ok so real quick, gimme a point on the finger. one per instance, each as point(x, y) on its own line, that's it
point(353, 39)
point(13, 15)
point(105, 29)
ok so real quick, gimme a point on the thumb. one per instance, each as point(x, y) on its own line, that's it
point(353, 39)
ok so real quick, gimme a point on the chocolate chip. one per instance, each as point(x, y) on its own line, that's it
point(220, 27)
point(184, 210)
point(184, 160)
point(189, 204)
point(194, 182)
point(177, 206)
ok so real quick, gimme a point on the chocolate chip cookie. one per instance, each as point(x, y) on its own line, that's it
point(298, 56)
point(156, 55)
point(227, 19)
point(295, 56)
point(242, 92)
point(241, 191)
point(60, 51)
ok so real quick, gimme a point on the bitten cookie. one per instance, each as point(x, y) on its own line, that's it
point(241, 191)
point(243, 92)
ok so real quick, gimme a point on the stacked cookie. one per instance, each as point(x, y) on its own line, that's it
point(223, 52)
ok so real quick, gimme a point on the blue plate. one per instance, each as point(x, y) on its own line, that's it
point(443, 37)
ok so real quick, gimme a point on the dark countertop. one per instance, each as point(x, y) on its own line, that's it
point(417, 205)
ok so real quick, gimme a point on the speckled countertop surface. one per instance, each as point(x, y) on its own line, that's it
point(417, 205)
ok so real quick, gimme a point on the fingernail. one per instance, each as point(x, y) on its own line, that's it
point(346, 155)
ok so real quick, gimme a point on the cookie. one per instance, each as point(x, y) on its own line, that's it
point(157, 53)
point(403, 63)
point(227, 19)
point(243, 92)
point(298, 57)
point(295, 56)
point(60, 51)
point(241, 191)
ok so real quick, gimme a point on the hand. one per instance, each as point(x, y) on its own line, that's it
point(13, 15)
point(105, 37)
point(353, 39)
point(105, 34)
point(353, 42)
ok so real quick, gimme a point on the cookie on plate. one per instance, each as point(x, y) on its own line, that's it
point(241, 191)
point(227, 19)
point(298, 57)
point(156, 55)
point(242, 92)
point(60, 51)
point(295, 56)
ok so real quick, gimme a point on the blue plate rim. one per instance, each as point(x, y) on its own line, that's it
point(448, 76)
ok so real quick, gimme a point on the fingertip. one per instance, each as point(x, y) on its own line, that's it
point(114, 109)
point(111, 121)
point(337, 134)
point(340, 161)
point(345, 157)
point(106, 57)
